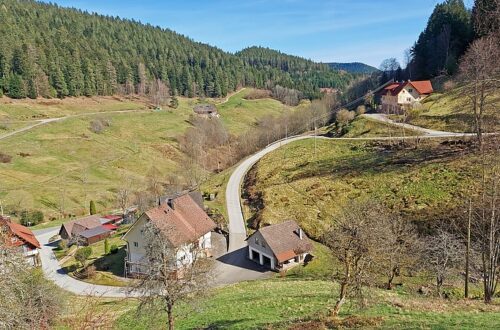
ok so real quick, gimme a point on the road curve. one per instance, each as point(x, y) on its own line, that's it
point(53, 271)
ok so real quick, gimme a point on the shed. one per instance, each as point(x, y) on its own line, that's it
point(94, 235)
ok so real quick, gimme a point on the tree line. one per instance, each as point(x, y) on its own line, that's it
point(50, 51)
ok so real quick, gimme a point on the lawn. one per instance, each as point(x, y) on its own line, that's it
point(64, 164)
point(283, 303)
point(110, 267)
point(427, 183)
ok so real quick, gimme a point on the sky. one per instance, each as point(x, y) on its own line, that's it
point(365, 31)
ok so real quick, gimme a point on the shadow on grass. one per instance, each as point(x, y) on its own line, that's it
point(113, 262)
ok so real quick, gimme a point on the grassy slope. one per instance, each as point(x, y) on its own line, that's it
point(365, 127)
point(65, 154)
point(278, 304)
point(422, 184)
point(447, 112)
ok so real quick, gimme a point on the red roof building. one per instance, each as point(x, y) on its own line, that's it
point(396, 96)
point(22, 237)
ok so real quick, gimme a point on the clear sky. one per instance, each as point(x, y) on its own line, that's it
point(323, 30)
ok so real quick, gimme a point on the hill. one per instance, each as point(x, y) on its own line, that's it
point(50, 51)
point(353, 67)
point(60, 166)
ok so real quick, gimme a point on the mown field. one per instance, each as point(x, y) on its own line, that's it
point(450, 112)
point(427, 183)
point(63, 165)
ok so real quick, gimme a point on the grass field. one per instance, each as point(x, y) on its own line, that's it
point(65, 165)
point(424, 183)
point(365, 127)
point(448, 112)
point(300, 304)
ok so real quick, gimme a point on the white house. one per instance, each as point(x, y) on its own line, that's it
point(279, 246)
point(397, 95)
point(23, 238)
point(182, 222)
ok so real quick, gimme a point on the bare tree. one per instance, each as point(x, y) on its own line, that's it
point(480, 73)
point(167, 278)
point(444, 253)
point(28, 300)
point(159, 93)
point(398, 246)
point(155, 185)
point(353, 245)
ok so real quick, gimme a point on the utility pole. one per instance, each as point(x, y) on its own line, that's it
point(467, 252)
point(315, 137)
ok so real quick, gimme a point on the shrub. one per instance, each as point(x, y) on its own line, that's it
point(258, 94)
point(92, 208)
point(107, 248)
point(114, 249)
point(174, 102)
point(32, 218)
point(4, 158)
point(360, 110)
point(63, 244)
point(37, 217)
point(99, 125)
point(83, 254)
point(89, 271)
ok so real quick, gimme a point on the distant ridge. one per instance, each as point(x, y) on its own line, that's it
point(353, 67)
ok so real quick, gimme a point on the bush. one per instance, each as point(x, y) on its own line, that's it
point(107, 248)
point(360, 110)
point(83, 254)
point(31, 218)
point(258, 94)
point(99, 125)
point(4, 158)
point(92, 208)
point(62, 245)
point(89, 271)
point(114, 249)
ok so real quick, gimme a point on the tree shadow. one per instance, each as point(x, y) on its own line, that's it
point(239, 259)
point(223, 324)
point(112, 262)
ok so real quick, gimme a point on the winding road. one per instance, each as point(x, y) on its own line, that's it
point(233, 266)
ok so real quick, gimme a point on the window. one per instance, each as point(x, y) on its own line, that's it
point(410, 90)
point(408, 99)
point(257, 241)
point(136, 244)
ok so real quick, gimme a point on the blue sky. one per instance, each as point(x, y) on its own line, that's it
point(323, 30)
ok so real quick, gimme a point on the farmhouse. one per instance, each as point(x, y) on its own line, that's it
point(206, 110)
point(279, 246)
point(22, 237)
point(398, 95)
point(183, 224)
point(70, 229)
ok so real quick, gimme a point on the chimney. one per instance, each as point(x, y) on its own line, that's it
point(301, 233)
point(170, 203)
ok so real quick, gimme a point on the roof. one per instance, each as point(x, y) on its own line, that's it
point(422, 87)
point(87, 223)
point(110, 226)
point(284, 240)
point(94, 232)
point(22, 233)
point(181, 220)
point(113, 217)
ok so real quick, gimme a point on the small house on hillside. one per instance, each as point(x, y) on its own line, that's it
point(71, 228)
point(184, 225)
point(23, 238)
point(396, 96)
point(206, 110)
point(279, 246)
point(94, 235)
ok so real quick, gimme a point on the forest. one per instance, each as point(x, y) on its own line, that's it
point(50, 51)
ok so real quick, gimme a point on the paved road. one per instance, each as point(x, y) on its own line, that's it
point(53, 271)
point(51, 120)
point(426, 131)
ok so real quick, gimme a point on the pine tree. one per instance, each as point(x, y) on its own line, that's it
point(92, 208)
point(16, 88)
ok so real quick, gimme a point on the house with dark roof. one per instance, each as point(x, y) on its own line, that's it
point(73, 228)
point(398, 95)
point(94, 235)
point(183, 224)
point(279, 246)
point(23, 238)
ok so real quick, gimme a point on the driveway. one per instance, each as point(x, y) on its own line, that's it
point(53, 271)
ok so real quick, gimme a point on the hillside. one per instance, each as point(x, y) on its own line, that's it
point(60, 166)
point(423, 184)
point(353, 67)
point(51, 51)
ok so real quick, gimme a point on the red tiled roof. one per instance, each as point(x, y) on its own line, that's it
point(423, 86)
point(110, 226)
point(182, 223)
point(284, 240)
point(22, 233)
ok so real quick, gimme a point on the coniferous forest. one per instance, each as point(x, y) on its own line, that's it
point(49, 51)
